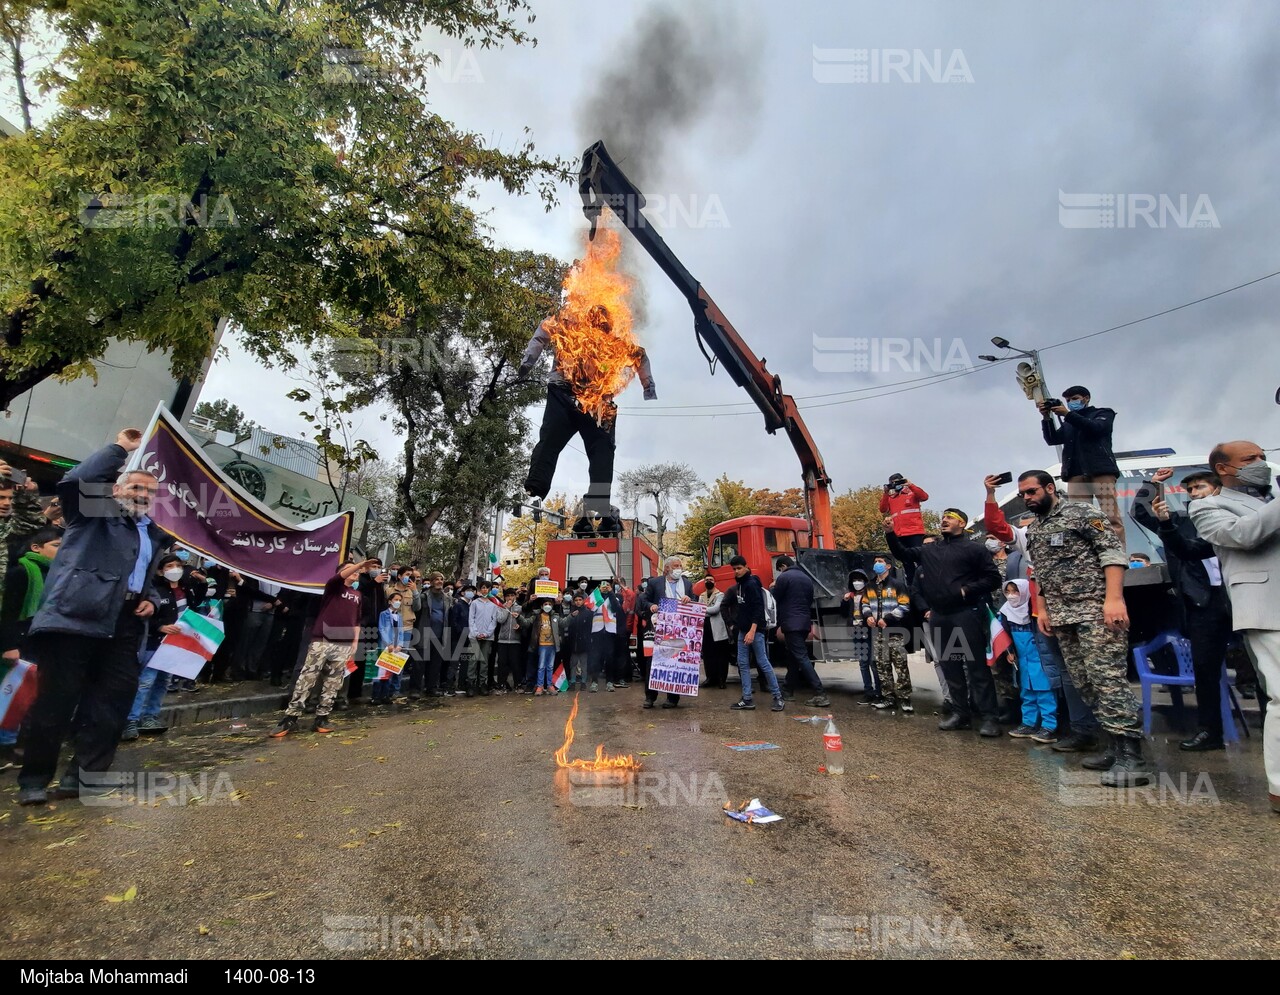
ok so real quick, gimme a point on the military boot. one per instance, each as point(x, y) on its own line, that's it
point(1102, 761)
point(1130, 769)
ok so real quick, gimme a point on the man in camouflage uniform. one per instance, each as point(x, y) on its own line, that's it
point(885, 604)
point(1079, 568)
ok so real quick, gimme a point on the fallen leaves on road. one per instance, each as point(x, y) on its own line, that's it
point(644, 754)
point(203, 930)
point(259, 897)
point(352, 844)
point(69, 841)
point(238, 795)
point(299, 836)
point(187, 863)
point(381, 760)
point(751, 880)
point(128, 896)
point(498, 736)
point(394, 825)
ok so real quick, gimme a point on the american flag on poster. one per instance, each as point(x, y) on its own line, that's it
point(677, 647)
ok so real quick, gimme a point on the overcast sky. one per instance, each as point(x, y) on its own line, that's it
point(908, 210)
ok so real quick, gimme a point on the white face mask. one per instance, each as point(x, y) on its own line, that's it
point(1013, 598)
point(395, 606)
point(858, 585)
point(174, 575)
point(677, 573)
point(546, 608)
point(994, 545)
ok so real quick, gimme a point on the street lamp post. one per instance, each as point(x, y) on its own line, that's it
point(1031, 354)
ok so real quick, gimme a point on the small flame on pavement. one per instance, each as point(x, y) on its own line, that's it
point(601, 762)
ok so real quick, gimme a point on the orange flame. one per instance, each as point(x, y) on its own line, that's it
point(592, 333)
point(601, 762)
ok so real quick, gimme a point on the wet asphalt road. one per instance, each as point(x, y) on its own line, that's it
point(447, 832)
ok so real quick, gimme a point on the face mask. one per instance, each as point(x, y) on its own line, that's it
point(209, 564)
point(494, 592)
point(546, 608)
point(582, 587)
point(1255, 475)
point(355, 584)
point(183, 555)
point(1075, 405)
point(374, 571)
point(993, 545)
point(1136, 563)
point(174, 575)
point(880, 568)
point(677, 574)
point(1013, 598)
point(858, 585)
point(468, 594)
point(448, 590)
point(395, 606)
point(710, 588)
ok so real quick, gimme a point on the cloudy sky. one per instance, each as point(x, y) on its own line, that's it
point(817, 190)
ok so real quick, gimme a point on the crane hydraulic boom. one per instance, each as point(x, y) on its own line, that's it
point(602, 184)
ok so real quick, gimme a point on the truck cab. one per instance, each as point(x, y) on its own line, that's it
point(759, 538)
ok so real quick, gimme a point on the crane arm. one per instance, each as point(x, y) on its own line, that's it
point(602, 184)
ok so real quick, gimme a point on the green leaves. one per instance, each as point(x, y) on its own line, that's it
point(210, 160)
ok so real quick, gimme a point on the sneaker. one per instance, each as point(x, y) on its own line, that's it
point(778, 704)
point(1045, 736)
point(1022, 732)
point(742, 705)
point(608, 687)
point(553, 690)
point(152, 726)
point(788, 695)
point(130, 732)
point(622, 684)
point(817, 701)
point(287, 725)
point(594, 687)
point(451, 693)
point(322, 724)
point(537, 692)
point(885, 704)
point(190, 687)
point(905, 708)
point(868, 699)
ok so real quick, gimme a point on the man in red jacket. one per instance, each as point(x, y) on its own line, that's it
point(901, 501)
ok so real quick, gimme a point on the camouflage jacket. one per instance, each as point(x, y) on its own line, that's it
point(1069, 547)
point(27, 519)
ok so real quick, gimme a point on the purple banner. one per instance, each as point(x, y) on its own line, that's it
point(208, 513)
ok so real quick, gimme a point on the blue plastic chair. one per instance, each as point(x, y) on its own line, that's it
point(1184, 678)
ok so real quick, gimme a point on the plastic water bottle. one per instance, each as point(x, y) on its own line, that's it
point(833, 748)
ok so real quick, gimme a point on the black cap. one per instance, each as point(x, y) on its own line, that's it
point(897, 478)
point(1077, 391)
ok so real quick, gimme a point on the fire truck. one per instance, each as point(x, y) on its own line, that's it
point(761, 539)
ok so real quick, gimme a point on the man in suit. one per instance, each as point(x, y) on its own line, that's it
point(1197, 576)
point(87, 632)
point(672, 584)
point(1242, 522)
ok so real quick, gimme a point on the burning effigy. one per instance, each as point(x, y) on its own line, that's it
point(596, 356)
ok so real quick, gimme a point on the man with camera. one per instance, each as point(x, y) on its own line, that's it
point(1088, 463)
point(901, 501)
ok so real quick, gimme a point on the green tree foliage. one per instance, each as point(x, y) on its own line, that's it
point(271, 162)
point(226, 417)
point(726, 499)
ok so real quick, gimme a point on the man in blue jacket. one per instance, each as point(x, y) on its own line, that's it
point(84, 640)
point(793, 591)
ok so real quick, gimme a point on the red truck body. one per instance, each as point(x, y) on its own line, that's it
point(598, 559)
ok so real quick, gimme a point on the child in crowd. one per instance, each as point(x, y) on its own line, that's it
point(1039, 704)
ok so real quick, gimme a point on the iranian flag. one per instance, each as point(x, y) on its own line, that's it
point(17, 692)
point(186, 651)
point(998, 639)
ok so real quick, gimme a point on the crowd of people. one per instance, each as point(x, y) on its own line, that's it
point(90, 597)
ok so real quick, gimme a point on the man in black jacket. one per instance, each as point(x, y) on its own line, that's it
point(793, 591)
point(1088, 464)
point(752, 636)
point(1193, 566)
point(84, 639)
point(952, 584)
